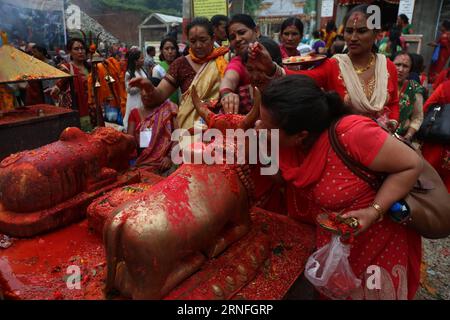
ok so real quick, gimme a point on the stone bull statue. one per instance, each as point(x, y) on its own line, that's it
point(78, 162)
point(155, 242)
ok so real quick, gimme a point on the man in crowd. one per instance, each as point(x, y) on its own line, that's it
point(219, 23)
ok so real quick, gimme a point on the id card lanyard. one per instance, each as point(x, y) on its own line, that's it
point(145, 137)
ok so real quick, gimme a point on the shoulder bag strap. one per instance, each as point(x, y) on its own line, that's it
point(357, 168)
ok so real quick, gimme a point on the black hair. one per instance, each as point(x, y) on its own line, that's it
point(404, 18)
point(417, 62)
point(245, 19)
point(201, 22)
point(386, 27)
point(155, 81)
point(296, 103)
point(42, 50)
point(163, 42)
point(362, 8)
point(292, 21)
point(446, 24)
point(69, 47)
point(217, 19)
point(330, 26)
point(411, 59)
point(338, 48)
point(316, 34)
point(72, 41)
point(273, 48)
point(133, 57)
point(394, 39)
point(150, 49)
point(186, 50)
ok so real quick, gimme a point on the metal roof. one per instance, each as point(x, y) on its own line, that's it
point(17, 66)
point(164, 18)
point(281, 8)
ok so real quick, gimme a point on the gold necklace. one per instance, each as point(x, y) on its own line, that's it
point(359, 70)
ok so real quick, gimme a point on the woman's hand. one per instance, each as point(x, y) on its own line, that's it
point(366, 217)
point(260, 58)
point(142, 83)
point(53, 92)
point(230, 103)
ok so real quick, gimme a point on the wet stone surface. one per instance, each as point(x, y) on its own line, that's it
point(435, 280)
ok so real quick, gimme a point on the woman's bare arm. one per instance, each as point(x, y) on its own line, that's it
point(403, 166)
point(161, 93)
point(230, 100)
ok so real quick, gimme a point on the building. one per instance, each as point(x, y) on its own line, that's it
point(156, 26)
point(426, 17)
point(272, 13)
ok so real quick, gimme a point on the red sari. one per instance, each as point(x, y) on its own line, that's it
point(328, 76)
point(285, 54)
point(80, 81)
point(320, 180)
point(438, 154)
point(444, 54)
point(161, 121)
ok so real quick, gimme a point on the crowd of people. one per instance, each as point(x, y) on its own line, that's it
point(370, 87)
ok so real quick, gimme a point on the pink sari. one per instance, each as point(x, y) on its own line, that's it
point(161, 121)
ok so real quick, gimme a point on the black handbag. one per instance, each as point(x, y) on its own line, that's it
point(436, 125)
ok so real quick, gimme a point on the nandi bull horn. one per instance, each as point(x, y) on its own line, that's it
point(211, 118)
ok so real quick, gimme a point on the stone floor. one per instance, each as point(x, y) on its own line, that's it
point(435, 270)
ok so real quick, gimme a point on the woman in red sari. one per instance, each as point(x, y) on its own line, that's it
point(152, 126)
point(291, 34)
point(79, 68)
point(438, 155)
point(444, 53)
point(367, 82)
point(319, 181)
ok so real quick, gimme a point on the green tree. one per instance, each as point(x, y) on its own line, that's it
point(251, 6)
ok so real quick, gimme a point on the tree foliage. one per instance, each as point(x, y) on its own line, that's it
point(145, 6)
point(251, 6)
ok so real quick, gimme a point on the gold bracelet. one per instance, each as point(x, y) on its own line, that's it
point(380, 211)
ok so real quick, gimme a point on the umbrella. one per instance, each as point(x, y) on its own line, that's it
point(17, 66)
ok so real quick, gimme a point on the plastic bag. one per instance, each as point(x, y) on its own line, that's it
point(329, 271)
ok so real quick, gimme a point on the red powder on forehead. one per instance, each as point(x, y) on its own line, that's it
point(357, 17)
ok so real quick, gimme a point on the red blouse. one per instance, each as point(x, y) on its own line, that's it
point(183, 74)
point(328, 76)
point(320, 180)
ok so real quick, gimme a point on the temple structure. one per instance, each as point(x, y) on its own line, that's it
point(272, 13)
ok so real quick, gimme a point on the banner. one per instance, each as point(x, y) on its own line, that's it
point(209, 8)
point(406, 7)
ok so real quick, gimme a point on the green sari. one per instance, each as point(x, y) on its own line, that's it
point(175, 97)
point(407, 98)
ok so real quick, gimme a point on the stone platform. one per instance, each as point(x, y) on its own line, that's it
point(40, 267)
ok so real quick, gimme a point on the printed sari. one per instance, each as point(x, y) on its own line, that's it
point(161, 122)
point(207, 84)
point(319, 181)
point(410, 114)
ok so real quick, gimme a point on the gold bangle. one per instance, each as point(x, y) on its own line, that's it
point(380, 211)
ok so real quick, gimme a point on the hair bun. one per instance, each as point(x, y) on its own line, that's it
point(335, 104)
